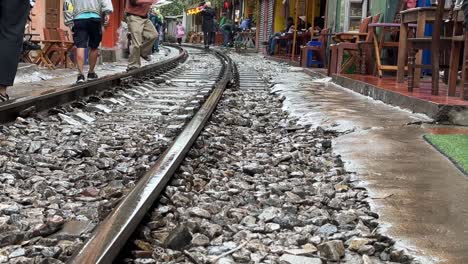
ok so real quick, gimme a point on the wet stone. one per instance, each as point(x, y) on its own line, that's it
point(20, 252)
point(253, 168)
point(293, 259)
point(355, 243)
point(200, 213)
point(269, 214)
point(332, 250)
point(178, 238)
point(327, 230)
point(200, 240)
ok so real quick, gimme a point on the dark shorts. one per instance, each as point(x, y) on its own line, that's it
point(87, 33)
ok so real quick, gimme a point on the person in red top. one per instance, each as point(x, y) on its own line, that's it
point(142, 31)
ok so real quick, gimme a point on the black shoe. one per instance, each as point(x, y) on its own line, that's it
point(92, 76)
point(81, 79)
point(147, 58)
point(132, 69)
point(4, 98)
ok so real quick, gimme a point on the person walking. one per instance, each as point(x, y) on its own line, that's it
point(142, 31)
point(157, 20)
point(13, 17)
point(86, 19)
point(179, 32)
point(208, 15)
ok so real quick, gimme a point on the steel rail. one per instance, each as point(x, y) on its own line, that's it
point(9, 111)
point(112, 234)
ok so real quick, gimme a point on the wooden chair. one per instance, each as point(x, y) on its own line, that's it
point(342, 38)
point(358, 48)
point(435, 44)
point(458, 41)
point(319, 50)
point(57, 46)
point(464, 89)
point(284, 44)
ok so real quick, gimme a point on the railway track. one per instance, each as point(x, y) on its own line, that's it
point(163, 169)
point(34, 104)
point(66, 169)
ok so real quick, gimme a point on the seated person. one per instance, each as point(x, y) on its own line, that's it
point(272, 40)
point(302, 24)
point(245, 24)
point(227, 28)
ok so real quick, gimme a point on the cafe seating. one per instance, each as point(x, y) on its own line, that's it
point(436, 44)
point(356, 44)
point(57, 47)
point(319, 49)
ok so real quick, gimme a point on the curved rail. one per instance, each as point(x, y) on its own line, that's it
point(60, 96)
point(111, 235)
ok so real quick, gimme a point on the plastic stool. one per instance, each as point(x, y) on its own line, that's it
point(310, 54)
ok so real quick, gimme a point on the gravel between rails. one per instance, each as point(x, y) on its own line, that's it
point(257, 187)
point(61, 174)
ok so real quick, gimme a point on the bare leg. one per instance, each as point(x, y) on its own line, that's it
point(80, 54)
point(93, 56)
point(3, 89)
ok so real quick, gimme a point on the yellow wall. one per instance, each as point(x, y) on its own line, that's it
point(280, 19)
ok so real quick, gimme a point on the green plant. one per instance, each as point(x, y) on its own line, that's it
point(455, 147)
point(174, 9)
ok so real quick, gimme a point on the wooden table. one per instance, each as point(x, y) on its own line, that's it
point(420, 16)
point(381, 44)
point(247, 38)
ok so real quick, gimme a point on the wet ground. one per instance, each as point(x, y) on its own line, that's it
point(35, 80)
point(415, 189)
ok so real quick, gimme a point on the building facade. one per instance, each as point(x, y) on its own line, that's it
point(48, 14)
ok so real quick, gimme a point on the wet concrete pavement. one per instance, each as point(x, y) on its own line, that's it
point(32, 80)
point(421, 196)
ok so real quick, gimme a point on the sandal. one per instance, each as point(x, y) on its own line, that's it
point(4, 98)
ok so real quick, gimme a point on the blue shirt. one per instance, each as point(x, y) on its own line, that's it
point(87, 15)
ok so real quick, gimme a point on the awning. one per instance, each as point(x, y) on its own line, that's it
point(162, 3)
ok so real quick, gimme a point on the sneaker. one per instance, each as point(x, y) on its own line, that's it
point(92, 76)
point(81, 79)
point(147, 58)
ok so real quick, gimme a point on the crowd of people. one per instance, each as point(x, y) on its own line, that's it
point(226, 26)
point(88, 20)
point(302, 26)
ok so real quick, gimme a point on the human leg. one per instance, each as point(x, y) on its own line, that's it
point(80, 39)
point(212, 38)
point(79, 59)
point(206, 39)
point(135, 27)
point(13, 16)
point(149, 37)
point(272, 46)
point(156, 42)
point(226, 35)
point(95, 38)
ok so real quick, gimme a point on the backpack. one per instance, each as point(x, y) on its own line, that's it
point(68, 12)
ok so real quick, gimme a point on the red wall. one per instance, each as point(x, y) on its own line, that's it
point(110, 36)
